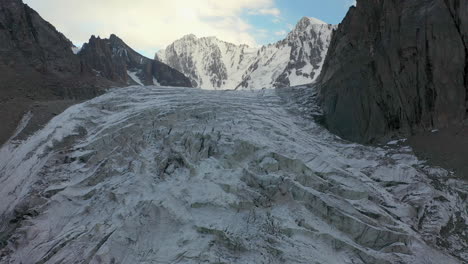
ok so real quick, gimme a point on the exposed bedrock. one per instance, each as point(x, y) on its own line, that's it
point(396, 67)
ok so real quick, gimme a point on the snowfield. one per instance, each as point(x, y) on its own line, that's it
point(175, 175)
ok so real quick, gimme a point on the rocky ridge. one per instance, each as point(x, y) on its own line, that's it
point(114, 60)
point(37, 65)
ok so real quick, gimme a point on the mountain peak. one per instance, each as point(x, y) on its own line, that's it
point(113, 36)
point(211, 38)
point(212, 63)
point(190, 37)
point(311, 21)
point(307, 23)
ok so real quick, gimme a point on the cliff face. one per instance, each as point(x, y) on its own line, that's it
point(97, 54)
point(36, 64)
point(114, 60)
point(396, 67)
point(27, 39)
point(35, 58)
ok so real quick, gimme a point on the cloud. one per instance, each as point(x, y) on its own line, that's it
point(281, 33)
point(266, 11)
point(350, 3)
point(151, 25)
point(261, 34)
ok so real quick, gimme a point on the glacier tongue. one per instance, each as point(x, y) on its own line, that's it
point(174, 175)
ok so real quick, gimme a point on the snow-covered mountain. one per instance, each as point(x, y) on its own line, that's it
point(211, 63)
point(208, 62)
point(309, 43)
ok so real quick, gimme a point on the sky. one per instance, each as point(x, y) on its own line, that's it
point(150, 25)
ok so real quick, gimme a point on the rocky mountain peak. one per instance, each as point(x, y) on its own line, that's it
point(192, 39)
point(113, 59)
point(114, 37)
point(309, 42)
point(215, 64)
point(305, 21)
point(189, 37)
point(308, 25)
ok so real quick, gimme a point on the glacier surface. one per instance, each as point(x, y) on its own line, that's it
point(174, 175)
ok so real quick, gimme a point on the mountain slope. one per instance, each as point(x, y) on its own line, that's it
point(214, 64)
point(209, 63)
point(114, 60)
point(397, 67)
point(309, 43)
point(36, 65)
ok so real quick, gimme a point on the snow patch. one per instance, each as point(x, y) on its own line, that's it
point(155, 81)
point(22, 124)
point(134, 77)
point(75, 49)
point(396, 142)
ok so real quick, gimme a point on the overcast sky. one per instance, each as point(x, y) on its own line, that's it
point(149, 25)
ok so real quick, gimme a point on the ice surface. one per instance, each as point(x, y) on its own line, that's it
point(174, 175)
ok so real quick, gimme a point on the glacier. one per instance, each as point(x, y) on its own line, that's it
point(175, 175)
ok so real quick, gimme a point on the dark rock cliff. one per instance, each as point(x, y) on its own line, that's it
point(36, 64)
point(40, 74)
point(114, 60)
point(36, 58)
point(397, 67)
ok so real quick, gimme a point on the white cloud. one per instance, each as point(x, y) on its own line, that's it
point(350, 3)
point(276, 20)
point(266, 11)
point(153, 24)
point(281, 33)
point(261, 34)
